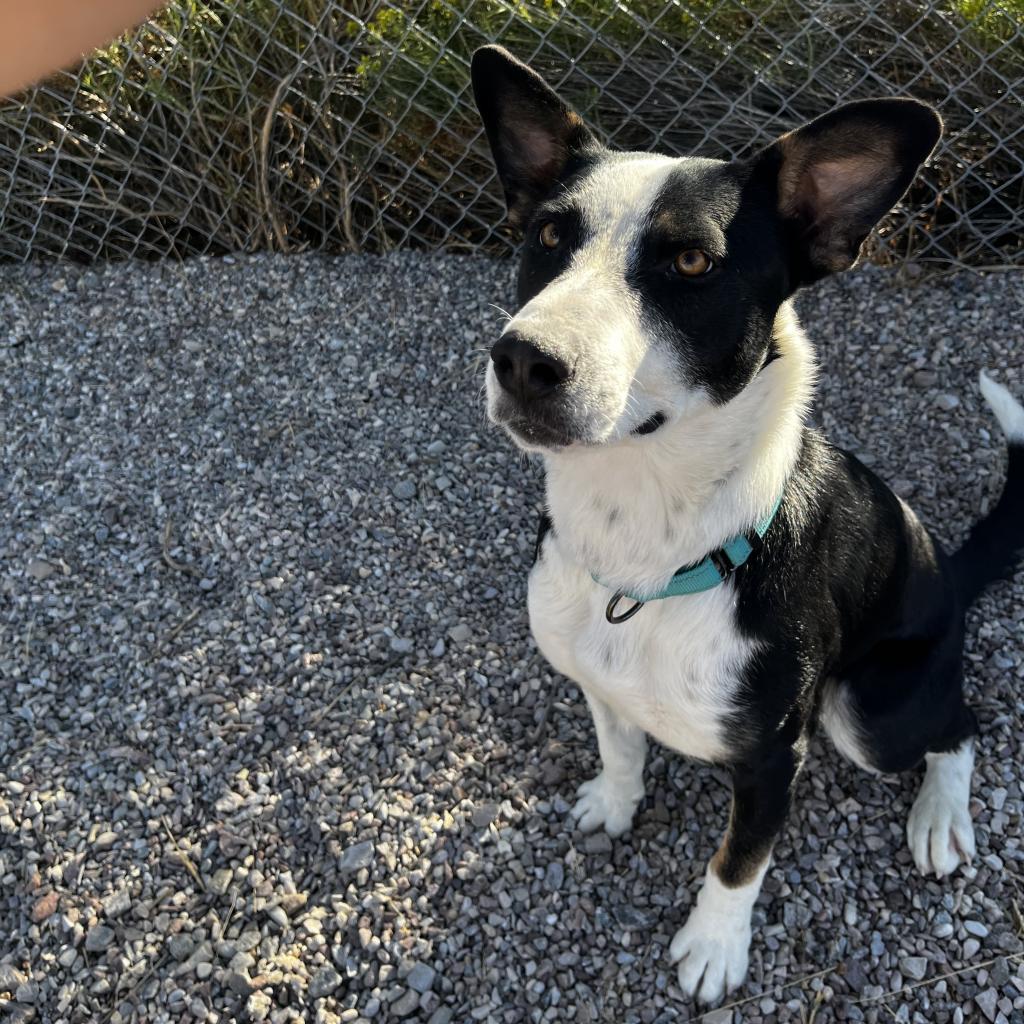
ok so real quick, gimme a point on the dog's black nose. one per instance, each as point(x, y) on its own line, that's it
point(523, 370)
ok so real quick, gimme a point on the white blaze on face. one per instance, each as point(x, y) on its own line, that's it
point(589, 317)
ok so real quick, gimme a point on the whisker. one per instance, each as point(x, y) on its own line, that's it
point(504, 312)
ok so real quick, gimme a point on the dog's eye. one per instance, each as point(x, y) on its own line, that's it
point(548, 235)
point(693, 262)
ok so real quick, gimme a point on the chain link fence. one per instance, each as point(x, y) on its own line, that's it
point(342, 125)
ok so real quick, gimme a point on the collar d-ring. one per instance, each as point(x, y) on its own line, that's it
point(609, 612)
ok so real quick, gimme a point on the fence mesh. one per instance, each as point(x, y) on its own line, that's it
point(346, 126)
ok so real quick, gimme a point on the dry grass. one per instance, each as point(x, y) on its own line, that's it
point(295, 124)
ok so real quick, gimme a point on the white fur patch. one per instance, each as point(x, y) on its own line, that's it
point(610, 799)
point(713, 947)
point(635, 511)
point(672, 670)
point(1008, 410)
point(839, 718)
point(939, 830)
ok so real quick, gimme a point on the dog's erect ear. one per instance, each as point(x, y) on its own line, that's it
point(840, 174)
point(533, 134)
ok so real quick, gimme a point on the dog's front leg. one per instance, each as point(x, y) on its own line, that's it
point(611, 797)
point(713, 946)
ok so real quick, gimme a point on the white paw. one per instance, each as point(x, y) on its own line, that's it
point(602, 802)
point(713, 957)
point(939, 829)
point(940, 833)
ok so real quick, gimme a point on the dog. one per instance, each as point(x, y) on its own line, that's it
point(709, 570)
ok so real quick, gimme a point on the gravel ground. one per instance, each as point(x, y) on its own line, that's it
point(275, 744)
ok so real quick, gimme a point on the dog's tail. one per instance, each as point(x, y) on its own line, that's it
point(995, 545)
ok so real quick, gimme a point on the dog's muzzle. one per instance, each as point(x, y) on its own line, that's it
point(532, 387)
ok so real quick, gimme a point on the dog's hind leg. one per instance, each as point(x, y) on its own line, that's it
point(939, 828)
point(611, 797)
point(713, 946)
point(902, 716)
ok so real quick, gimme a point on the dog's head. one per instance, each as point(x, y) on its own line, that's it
point(649, 285)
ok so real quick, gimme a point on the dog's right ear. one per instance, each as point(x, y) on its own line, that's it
point(533, 134)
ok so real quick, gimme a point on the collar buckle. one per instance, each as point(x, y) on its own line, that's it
point(609, 612)
point(723, 563)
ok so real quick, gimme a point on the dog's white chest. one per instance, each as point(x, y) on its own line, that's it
point(673, 670)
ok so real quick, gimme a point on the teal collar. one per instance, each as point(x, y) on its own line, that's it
point(705, 575)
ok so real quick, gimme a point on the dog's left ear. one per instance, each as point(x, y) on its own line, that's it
point(840, 174)
point(533, 134)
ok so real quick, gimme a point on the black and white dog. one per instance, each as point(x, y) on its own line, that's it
point(713, 572)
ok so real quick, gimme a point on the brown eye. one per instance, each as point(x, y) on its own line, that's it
point(693, 262)
point(549, 236)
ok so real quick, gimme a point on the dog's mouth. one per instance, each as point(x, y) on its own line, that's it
point(650, 425)
point(537, 434)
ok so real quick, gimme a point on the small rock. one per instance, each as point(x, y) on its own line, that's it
point(913, 967)
point(207, 584)
point(971, 947)
point(484, 815)
point(258, 1006)
point(856, 976)
point(40, 569)
point(404, 490)
point(324, 982)
point(11, 978)
point(220, 881)
point(999, 975)
point(180, 947)
point(442, 1015)
point(597, 842)
point(241, 962)
point(98, 938)
point(925, 378)
point(437, 650)
point(421, 978)
point(116, 903)
point(460, 633)
point(224, 949)
point(947, 402)
point(372, 1008)
point(633, 918)
point(554, 876)
point(104, 841)
point(44, 907)
point(68, 956)
point(975, 928)
point(987, 1002)
point(239, 983)
point(26, 992)
point(720, 1016)
point(405, 1004)
point(355, 857)
point(401, 645)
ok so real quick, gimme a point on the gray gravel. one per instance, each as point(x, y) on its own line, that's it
point(274, 743)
